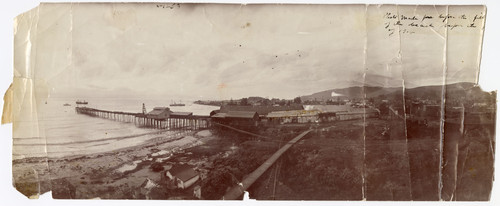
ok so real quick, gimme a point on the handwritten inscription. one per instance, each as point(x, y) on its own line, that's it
point(168, 6)
point(410, 24)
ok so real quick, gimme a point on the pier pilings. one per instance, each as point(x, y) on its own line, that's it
point(193, 122)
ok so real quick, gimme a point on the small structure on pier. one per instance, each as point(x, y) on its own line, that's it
point(159, 113)
point(144, 108)
point(181, 114)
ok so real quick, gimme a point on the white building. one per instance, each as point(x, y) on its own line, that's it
point(293, 116)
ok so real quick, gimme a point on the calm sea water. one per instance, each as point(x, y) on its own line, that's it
point(61, 132)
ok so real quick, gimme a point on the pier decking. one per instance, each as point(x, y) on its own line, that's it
point(170, 122)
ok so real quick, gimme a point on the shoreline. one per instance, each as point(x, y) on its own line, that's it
point(90, 166)
point(120, 174)
point(215, 104)
point(93, 155)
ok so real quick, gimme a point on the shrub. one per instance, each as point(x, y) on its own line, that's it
point(156, 167)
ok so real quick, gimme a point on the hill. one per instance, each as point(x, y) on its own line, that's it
point(356, 92)
point(433, 92)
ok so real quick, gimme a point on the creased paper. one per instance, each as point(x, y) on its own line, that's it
point(281, 102)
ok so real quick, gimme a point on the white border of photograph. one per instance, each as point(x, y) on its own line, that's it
point(488, 80)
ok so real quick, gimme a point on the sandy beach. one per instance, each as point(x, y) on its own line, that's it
point(109, 175)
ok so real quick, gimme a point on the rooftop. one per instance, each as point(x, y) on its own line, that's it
point(241, 114)
point(184, 172)
point(158, 110)
point(293, 113)
point(149, 184)
point(219, 115)
point(181, 113)
point(261, 110)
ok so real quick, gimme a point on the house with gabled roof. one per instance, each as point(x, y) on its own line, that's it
point(183, 175)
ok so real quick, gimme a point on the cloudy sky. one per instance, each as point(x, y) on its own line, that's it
point(230, 51)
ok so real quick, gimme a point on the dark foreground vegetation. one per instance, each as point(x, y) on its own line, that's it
point(384, 160)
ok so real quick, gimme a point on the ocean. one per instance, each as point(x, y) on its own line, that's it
point(60, 132)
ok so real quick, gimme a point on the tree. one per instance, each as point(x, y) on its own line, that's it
point(244, 102)
point(156, 167)
point(216, 183)
point(282, 102)
point(297, 100)
point(266, 102)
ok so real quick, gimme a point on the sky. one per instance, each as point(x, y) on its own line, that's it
point(221, 51)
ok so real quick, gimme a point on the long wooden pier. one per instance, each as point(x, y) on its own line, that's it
point(171, 122)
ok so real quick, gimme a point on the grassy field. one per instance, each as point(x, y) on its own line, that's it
point(383, 160)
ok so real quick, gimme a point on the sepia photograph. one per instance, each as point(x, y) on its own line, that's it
point(212, 101)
